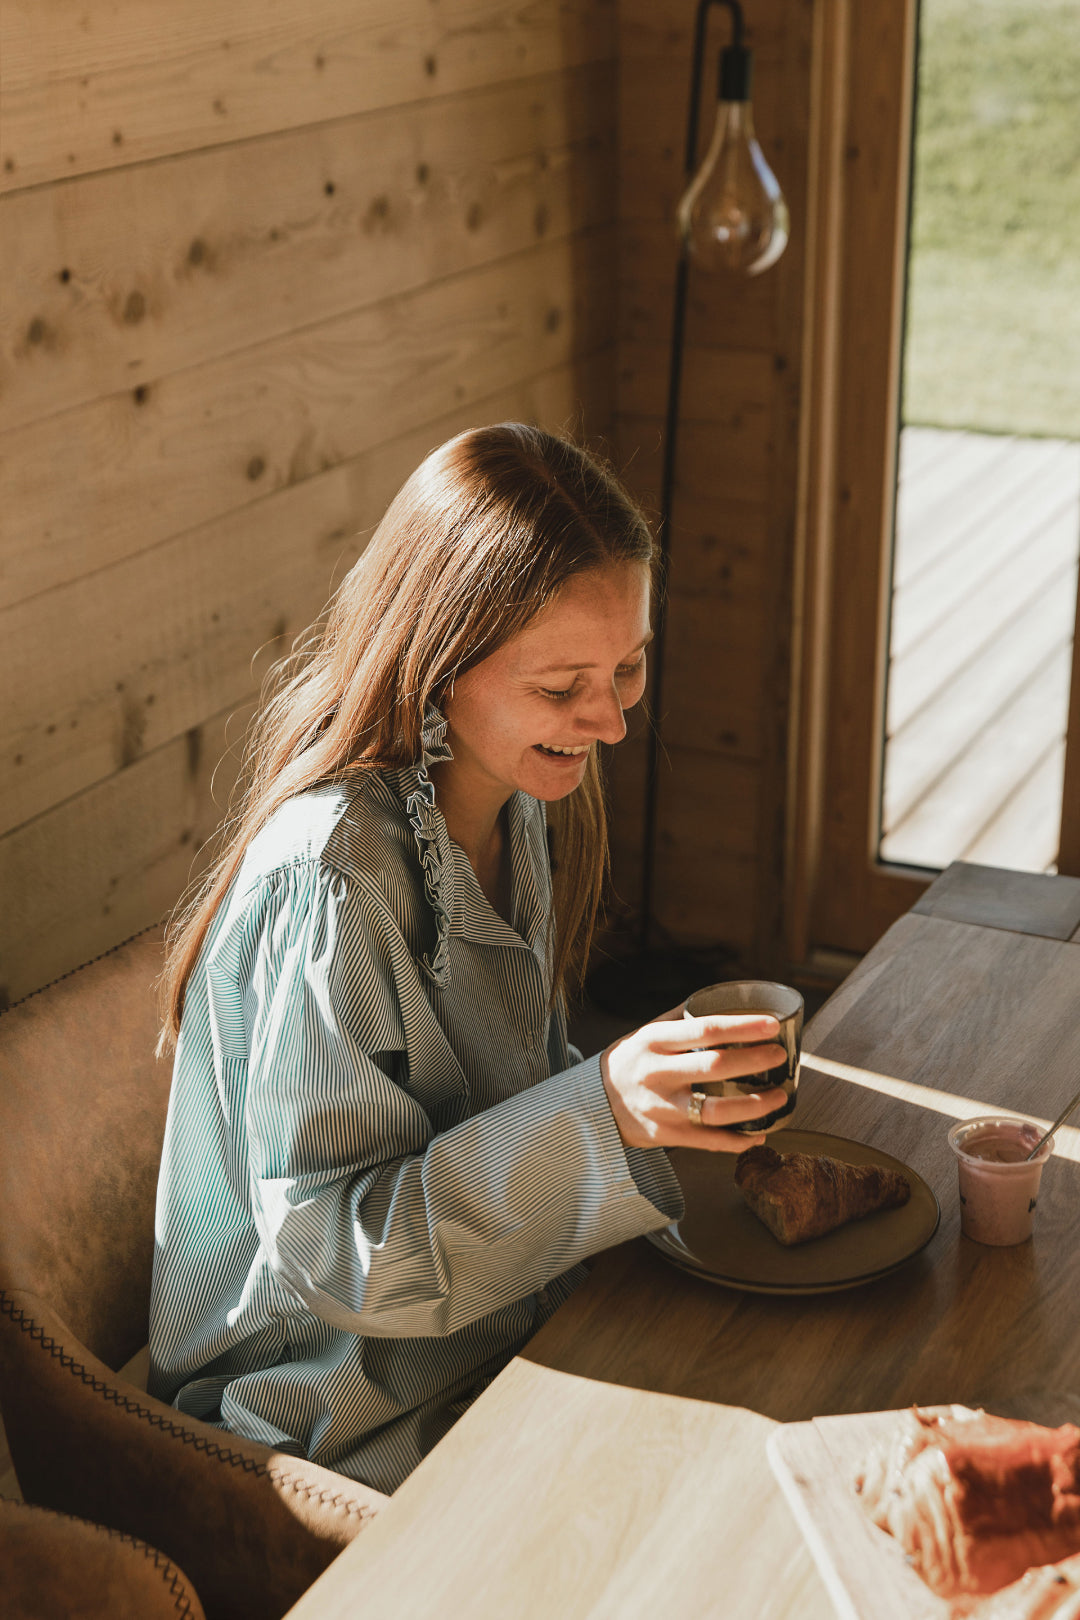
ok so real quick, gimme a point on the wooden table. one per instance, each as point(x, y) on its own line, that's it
point(617, 1467)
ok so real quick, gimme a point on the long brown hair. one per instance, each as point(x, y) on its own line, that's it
point(475, 544)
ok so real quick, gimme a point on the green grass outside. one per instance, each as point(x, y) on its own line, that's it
point(993, 316)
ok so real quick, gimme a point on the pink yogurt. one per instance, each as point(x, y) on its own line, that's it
point(999, 1187)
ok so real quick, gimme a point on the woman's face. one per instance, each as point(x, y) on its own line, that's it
point(528, 716)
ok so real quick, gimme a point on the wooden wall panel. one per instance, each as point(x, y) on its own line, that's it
point(708, 806)
point(727, 663)
point(121, 277)
point(126, 471)
point(177, 626)
point(725, 431)
point(109, 862)
point(99, 84)
point(747, 321)
point(217, 366)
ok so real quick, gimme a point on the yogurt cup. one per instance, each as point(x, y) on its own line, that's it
point(999, 1186)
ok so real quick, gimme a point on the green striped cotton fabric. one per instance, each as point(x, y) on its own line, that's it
point(383, 1163)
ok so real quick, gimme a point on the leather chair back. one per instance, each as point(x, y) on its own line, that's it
point(59, 1568)
point(82, 1117)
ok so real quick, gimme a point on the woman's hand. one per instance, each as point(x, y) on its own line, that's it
point(650, 1077)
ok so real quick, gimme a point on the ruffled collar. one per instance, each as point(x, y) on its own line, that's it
point(448, 879)
point(433, 841)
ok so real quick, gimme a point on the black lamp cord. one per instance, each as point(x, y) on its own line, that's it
point(734, 58)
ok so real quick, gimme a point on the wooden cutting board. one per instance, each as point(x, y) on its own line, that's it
point(863, 1567)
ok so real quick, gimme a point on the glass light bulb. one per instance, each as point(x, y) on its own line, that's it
point(733, 216)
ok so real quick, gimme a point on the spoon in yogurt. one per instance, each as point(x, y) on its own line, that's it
point(1062, 1117)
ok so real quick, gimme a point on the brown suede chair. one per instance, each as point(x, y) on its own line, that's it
point(59, 1568)
point(82, 1115)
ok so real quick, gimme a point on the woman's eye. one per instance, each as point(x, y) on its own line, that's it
point(556, 697)
point(628, 672)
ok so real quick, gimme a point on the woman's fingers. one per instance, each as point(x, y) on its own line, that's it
point(649, 1076)
point(717, 1112)
point(690, 1034)
point(673, 1127)
point(735, 1063)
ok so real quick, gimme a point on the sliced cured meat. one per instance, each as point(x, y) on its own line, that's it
point(976, 1500)
point(1050, 1592)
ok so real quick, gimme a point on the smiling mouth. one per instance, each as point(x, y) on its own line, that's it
point(562, 753)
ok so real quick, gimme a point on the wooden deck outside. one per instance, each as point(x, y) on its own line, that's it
point(984, 603)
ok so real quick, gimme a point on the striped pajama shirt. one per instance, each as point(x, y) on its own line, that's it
point(383, 1163)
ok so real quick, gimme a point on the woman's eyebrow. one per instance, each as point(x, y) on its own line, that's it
point(560, 669)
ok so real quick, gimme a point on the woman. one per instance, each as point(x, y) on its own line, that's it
point(383, 1163)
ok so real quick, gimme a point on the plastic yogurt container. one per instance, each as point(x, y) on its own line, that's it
point(999, 1185)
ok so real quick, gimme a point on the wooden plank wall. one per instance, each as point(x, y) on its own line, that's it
point(257, 257)
point(720, 843)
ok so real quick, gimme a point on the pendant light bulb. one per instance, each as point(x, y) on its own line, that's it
point(733, 216)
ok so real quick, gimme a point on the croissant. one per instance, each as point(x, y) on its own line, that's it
point(802, 1195)
point(976, 1500)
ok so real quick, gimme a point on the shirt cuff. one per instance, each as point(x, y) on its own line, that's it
point(656, 1180)
point(649, 1168)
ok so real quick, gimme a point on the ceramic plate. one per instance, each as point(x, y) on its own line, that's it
point(720, 1240)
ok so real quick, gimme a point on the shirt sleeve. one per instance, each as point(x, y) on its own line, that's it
point(377, 1223)
point(649, 1166)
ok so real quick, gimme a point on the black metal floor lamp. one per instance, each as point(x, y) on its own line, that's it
point(733, 221)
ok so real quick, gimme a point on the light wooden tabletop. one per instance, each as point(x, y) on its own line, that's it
point(617, 1467)
point(556, 1496)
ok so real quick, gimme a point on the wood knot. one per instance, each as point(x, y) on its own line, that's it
point(256, 467)
point(132, 732)
point(36, 331)
point(196, 253)
point(474, 218)
point(134, 308)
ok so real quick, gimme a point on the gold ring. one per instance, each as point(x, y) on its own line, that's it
point(693, 1107)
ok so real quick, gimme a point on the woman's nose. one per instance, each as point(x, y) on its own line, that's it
point(604, 717)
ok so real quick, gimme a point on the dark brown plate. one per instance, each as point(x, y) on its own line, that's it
point(720, 1239)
